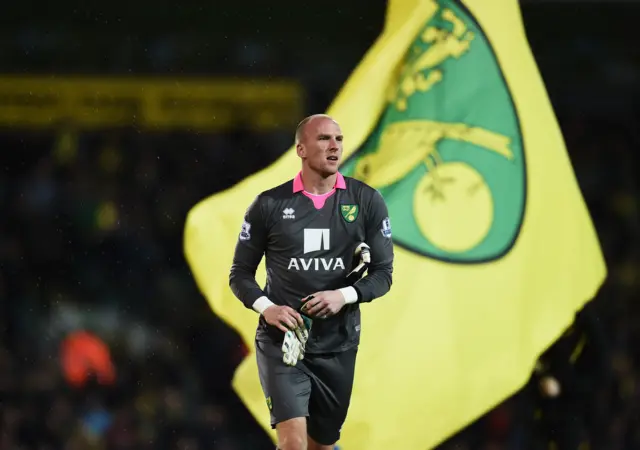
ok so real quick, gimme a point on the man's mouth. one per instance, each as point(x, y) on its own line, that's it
point(332, 158)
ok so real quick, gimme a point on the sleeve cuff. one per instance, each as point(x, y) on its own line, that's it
point(350, 294)
point(261, 304)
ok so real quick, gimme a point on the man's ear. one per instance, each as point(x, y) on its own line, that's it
point(300, 150)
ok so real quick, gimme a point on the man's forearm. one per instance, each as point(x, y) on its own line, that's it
point(375, 284)
point(244, 286)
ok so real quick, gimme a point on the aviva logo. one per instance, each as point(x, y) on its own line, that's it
point(447, 153)
point(316, 240)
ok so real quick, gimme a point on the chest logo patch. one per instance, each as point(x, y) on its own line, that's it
point(349, 212)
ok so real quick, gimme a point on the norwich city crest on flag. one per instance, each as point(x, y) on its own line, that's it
point(448, 144)
point(349, 212)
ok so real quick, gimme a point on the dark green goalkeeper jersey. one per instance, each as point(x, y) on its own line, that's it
point(309, 242)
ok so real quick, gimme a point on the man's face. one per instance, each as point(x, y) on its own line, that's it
point(320, 146)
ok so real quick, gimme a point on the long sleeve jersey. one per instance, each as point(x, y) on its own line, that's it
point(309, 247)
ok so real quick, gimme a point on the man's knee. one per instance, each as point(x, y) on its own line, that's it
point(322, 433)
point(313, 445)
point(292, 434)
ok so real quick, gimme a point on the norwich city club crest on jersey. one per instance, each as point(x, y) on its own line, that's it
point(447, 153)
point(349, 212)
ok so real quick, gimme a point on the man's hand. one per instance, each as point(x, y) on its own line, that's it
point(295, 339)
point(323, 304)
point(283, 317)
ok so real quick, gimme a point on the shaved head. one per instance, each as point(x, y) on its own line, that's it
point(319, 144)
point(304, 122)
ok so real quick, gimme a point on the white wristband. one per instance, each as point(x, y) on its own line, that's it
point(261, 304)
point(350, 294)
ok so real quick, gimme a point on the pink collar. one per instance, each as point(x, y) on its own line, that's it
point(298, 186)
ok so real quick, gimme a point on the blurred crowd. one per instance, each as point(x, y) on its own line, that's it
point(91, 240)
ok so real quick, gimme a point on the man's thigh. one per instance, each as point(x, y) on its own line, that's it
point(287, 389)
point(331, 386)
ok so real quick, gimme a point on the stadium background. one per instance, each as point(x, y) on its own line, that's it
point(94, 208)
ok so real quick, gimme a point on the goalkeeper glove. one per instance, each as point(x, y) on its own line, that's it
point(361, 261)
point(293, 345)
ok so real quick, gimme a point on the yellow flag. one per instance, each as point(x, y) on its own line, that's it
point(448, 117)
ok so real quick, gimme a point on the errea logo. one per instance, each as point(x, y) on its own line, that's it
point(288, 213)
point(315, 240)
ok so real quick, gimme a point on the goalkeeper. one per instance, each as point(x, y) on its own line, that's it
point(319, 233)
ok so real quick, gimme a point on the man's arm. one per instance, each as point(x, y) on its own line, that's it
point(250, 248)
point(378, 280)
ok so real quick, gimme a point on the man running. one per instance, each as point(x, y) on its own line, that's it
point(318, 233)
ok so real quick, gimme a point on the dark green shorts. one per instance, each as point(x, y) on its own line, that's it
point(318, 388)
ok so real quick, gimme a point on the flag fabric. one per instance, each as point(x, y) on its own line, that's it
point(447, 116)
